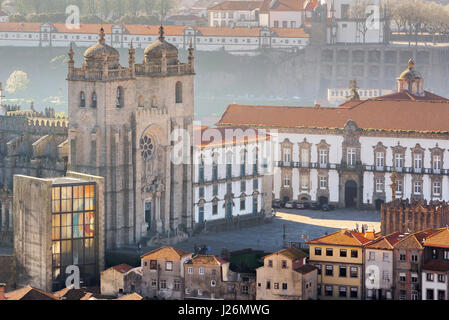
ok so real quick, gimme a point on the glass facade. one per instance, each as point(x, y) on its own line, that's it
point(73, 231)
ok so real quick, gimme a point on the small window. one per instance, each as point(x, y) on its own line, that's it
point(354, 253)
point(153, 264)
point(168, 265)
point(343, 253)
point(284, 264)
point(318, 251)
point(94, 100)
point(284, 286)
point(329, 252)
point(120, 98)
point(179, 92)
point(82, 99)
point(201, 270)
point(190, 270)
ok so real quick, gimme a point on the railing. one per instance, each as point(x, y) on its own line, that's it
point(333, 166)
point(82, 74)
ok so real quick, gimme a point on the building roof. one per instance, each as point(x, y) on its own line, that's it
point(30, 293)
point(435, 265)
point(137, 270)
point(290, 253)
point(290, 33)
point(20, 27)
point(237, 5)
point(204, 259)
point(438, 239)
point(291, 5)
point(305, 268)
point(165, 253)
point(386, 113)
point(385, 242)
point(131, 296)
point(414, 240)
point(206, 137)
point(342, 237)
point(73, 294)
point(122, 268)
point(228, 31)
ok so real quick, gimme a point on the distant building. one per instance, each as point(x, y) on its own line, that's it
point(186, 20)
point(286, 13)
point(408, 262)
point(286, 276)
point(163, 273)
point(66, 214)
point(379, 263)
point(208, 277)
point(339, 258)
point(26, 293)
point(232, 176)
point(4, 17)
point(121, 279)
point(435, 271)
point(234, 14)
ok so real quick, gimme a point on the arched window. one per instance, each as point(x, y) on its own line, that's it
point(94, 100)
point(82, 99)
point(120, 97)
point(178, 92)
point(141, 102)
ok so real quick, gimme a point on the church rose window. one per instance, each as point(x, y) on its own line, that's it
point(146, 147)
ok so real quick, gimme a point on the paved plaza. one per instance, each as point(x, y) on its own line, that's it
point(269, 237)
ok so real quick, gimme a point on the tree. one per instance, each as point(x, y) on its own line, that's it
point(17, 82)
point(358, 12)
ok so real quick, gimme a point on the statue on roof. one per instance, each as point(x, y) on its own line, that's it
point(354, 90)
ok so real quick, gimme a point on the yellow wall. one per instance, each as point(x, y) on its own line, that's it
point(336, 254)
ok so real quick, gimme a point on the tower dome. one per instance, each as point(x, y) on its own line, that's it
point(410, 73)
point(411, 81)
point(98, 54)
point(155, 51)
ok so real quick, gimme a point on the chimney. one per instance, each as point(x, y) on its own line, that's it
point(2, 291)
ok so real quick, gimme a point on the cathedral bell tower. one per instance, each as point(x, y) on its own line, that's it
point(411, 81)
point(121, 120)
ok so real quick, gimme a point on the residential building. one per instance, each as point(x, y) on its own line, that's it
point(408, 261)
point(287, 13)
point(435, 271)
point(121, 279)
point(232, 176)
point(346, 155)
point(163, 273)
point(286, 276)
point(234, 14)
point(339, 258)
point(209, 277)
point(378, 264)
point(66, 214)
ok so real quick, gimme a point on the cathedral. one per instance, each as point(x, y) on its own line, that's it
point(121, 121)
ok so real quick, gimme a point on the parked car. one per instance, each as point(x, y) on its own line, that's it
point(306, 205)
point(300, 205)
point(290, 205)
point(276, 203)
point(315, 206)
point(327, 207)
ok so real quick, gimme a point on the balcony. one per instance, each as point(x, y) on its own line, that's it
point(307, 165)
point(407, 170)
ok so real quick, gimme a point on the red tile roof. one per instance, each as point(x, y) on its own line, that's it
point(306, 268)
point(342, 237)
point(237, 5)
point(290, 253)
point(385, 242)
point(30, 293)
point(123, 268)
point(205, 137)
point(383, 113)
point(165, 252)
point(20, 27)
point(438, 239)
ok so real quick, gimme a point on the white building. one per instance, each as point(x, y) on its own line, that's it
point(347, 28)
point(435, 272)
point(232, 174)
point(379, 280)
point(235, 13)
point(337, 96)
point(346, 155)
point(286, 13)
point(233, 40)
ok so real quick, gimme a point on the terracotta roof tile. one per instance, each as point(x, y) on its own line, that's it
point(385, 242)
point(204, 259)
point(29, 293)
point(290, 253)
point(131, 296)
point(20, 27)
point(165, 253)
point(122, 268)
point(237, 5)
point(372, 114)
point(206, 137)
point(342, 237)
point(438, 239)
point(306, 268)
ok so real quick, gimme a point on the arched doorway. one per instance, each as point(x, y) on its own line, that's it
point(323, 200)
point(378, 203)
point(350, 194)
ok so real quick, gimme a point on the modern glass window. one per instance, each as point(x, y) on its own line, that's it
point(73, 230)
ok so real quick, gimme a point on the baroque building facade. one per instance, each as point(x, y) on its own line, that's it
point(121, 121)
point(347, 155)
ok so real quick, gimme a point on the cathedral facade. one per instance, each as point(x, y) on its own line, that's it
point(121, 121)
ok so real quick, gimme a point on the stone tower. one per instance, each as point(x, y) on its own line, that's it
point(411, 81)
point(121, 121)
